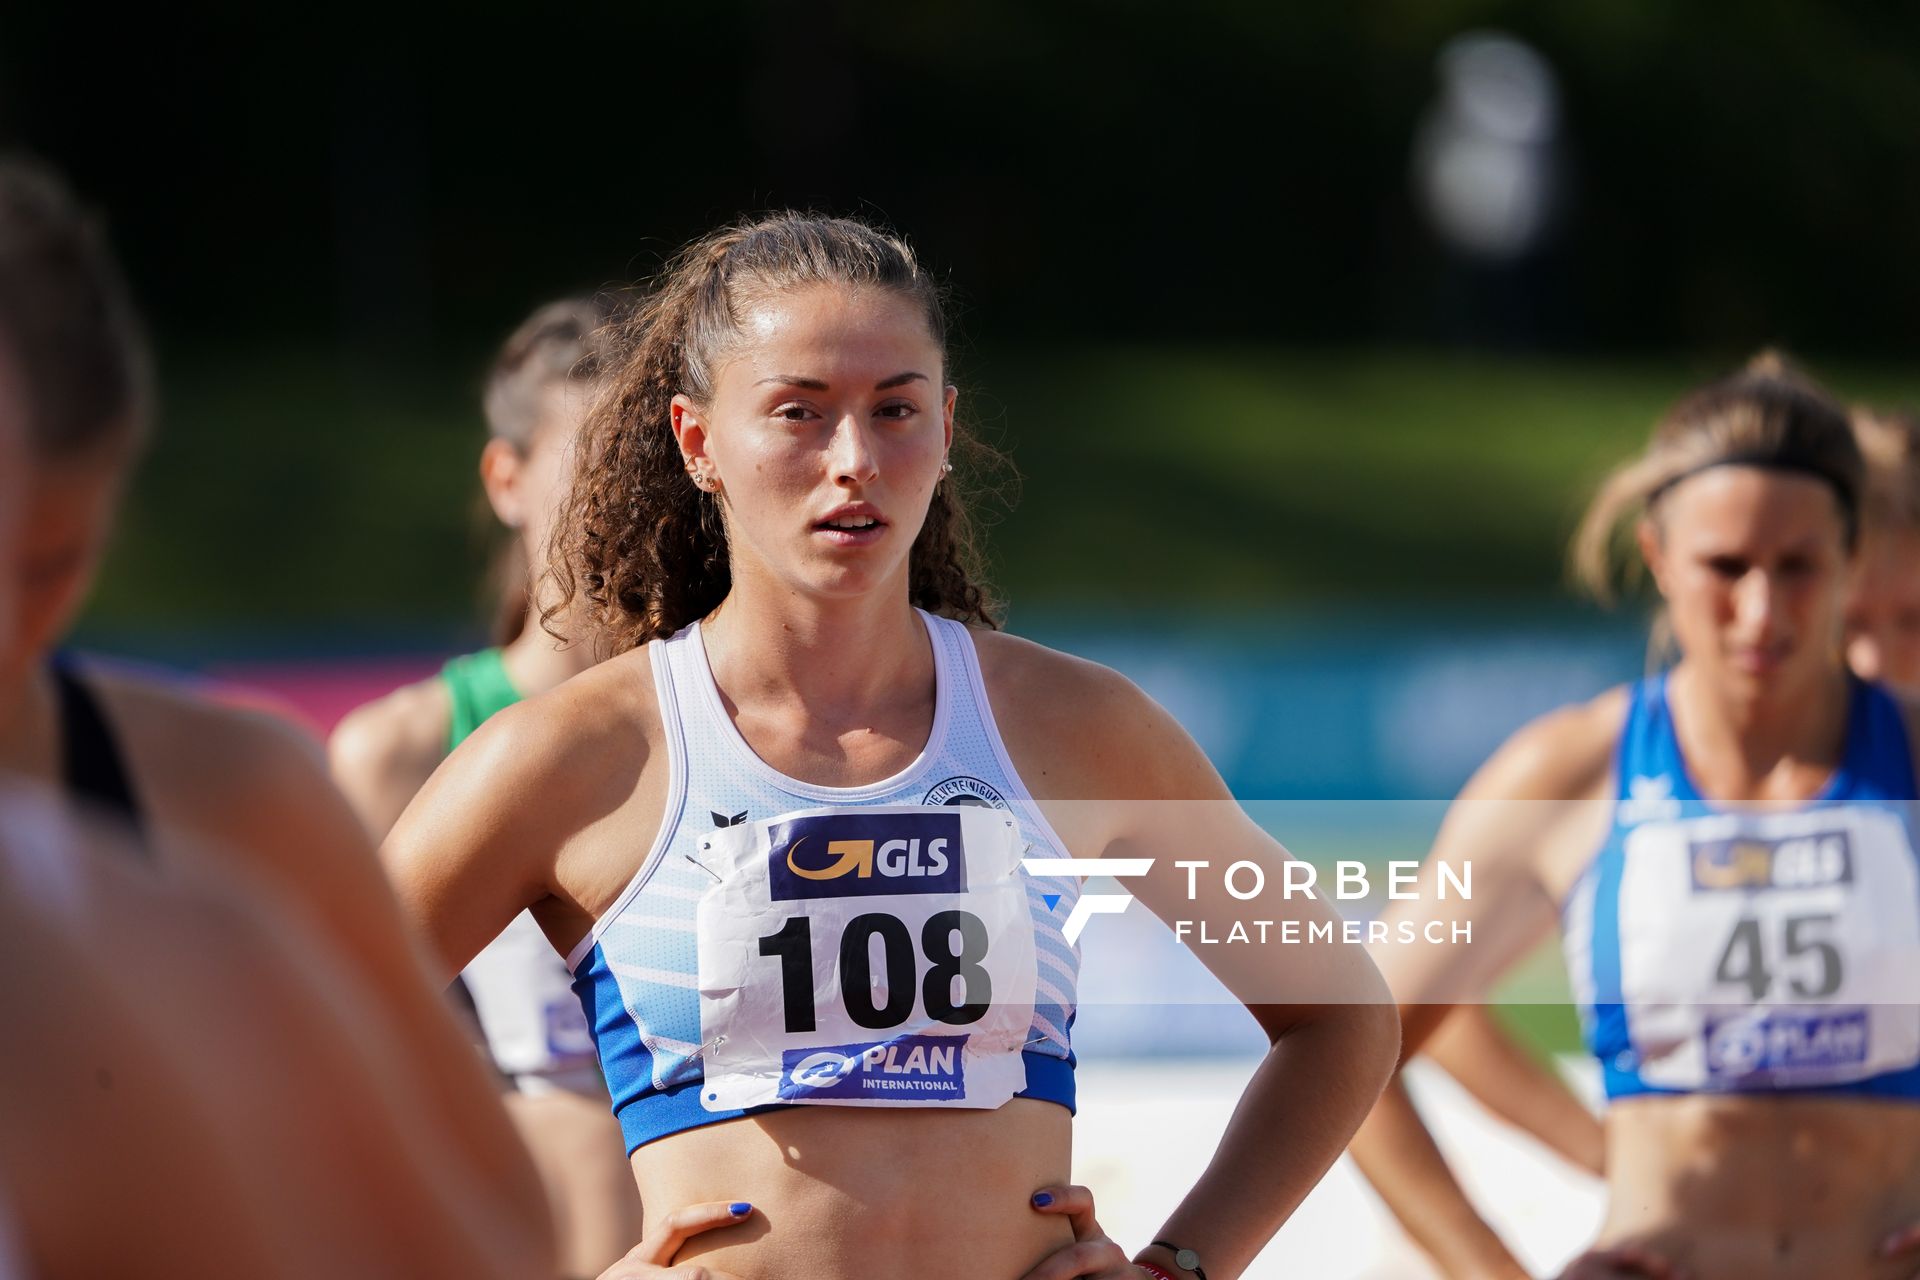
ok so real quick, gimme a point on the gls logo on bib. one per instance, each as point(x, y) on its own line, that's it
point(858, 855)
point(1811, 861)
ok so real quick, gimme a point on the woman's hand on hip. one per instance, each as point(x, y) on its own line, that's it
point(652, 1258)
point(1091, 1256)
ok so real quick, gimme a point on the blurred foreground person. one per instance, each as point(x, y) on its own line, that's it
point(537, 393)
point(193, 786)
point(821, 925)
point(1729, 847)
point(198, 1085)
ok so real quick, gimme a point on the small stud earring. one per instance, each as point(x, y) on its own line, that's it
point(946, 468)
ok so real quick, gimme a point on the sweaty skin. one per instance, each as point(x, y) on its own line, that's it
point(842, 1192)
point(813, 1174)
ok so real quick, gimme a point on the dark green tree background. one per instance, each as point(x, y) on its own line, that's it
point(331, 214)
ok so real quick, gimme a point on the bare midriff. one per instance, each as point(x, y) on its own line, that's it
point(1764, 1188)
point(850, 1193)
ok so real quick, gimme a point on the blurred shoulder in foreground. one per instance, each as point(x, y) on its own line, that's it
point(199, 1088)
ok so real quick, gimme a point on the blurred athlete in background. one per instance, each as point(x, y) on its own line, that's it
point(1883, 643)
point(193, 786)
point(1883, 622)
point(1748, 980)
point(538, 391)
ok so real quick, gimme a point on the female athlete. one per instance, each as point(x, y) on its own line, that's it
point(1728, 847)
point(801, 835)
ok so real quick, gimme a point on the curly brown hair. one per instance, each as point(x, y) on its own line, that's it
point(638, 550)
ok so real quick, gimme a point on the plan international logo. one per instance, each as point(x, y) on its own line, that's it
point(1758, 1044)
point(904, 1069)
point(864, 855)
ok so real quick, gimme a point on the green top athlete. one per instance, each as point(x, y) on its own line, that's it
point(536, 395)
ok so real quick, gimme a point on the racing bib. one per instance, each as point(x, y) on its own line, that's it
point(523, 995)
point(1771, 950)
point(874, 957)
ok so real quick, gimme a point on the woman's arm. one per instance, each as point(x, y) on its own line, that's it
point(382, 753)
point(253, 801)
point(274, 1138)
point(1120, 779)
point(1476, 1050)
point(1535, 797)
point(488, 834)
point(1331, 1026)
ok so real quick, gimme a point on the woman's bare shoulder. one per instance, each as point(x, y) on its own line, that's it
point(1080, 730)
point(1565, 754)
point(195, 758)
point(1026, 671)
point(585, 739)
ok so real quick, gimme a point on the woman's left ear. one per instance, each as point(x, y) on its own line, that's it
point(500, 467)
point(946, 415)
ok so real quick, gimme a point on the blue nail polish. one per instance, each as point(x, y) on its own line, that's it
point(1041, 1199)
point(739, 1208)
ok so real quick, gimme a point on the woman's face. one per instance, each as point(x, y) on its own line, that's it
point(829, 422)
point(1883, 618)
point(56, 550)
point(527, 488)
point(1754, 568)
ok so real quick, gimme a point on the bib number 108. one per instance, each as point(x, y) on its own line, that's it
point(793, 945)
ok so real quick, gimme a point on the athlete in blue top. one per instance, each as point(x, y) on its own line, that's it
point(1729, 848)
point(794, 834)
point(1883, 645)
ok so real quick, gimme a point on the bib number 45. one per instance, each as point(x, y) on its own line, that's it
point(949, 962)
point(1802, 952)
